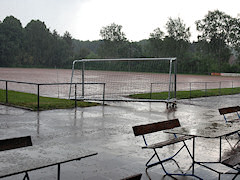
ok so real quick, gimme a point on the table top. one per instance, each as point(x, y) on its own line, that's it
point(207, 130)
point(29, 158)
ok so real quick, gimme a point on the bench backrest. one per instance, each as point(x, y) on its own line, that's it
point(134, 177)
point(154, 127)
point(13, 143)
point(227, 110)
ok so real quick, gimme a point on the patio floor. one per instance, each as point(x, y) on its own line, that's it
point(108, 130)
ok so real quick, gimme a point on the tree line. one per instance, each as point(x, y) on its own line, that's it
point(217, 48)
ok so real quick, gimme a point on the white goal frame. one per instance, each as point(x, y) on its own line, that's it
point(171, 83)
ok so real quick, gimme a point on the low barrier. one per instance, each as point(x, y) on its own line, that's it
point(226, 74)
point(41, 89)
point(204, 86)
point(38, 85)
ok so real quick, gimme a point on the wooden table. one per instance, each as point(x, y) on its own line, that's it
point(207, 130)
point(31, 158)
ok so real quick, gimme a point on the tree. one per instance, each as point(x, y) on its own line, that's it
point(215, 25)
point(112, 32)
point(157, 34)
point(115, 43)
point(68, 38)
point(218, 29)
point(11, 41)
point(38, 42)
point(177, 42)
point(156, 43)
point(177, 29)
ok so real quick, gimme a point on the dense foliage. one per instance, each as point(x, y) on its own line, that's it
point(216, 50)
point(33, 46)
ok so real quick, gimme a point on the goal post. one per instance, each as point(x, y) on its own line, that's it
point(119, 78)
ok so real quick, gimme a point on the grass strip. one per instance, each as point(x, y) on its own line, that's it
point(188, 94)
point(29, 101)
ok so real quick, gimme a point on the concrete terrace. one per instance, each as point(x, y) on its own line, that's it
point(108, 130)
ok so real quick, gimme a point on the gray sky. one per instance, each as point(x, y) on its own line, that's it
point(84, 18)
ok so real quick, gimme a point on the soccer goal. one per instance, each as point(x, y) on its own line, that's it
point(116, 79)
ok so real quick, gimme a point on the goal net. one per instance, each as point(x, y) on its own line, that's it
point(116, 79)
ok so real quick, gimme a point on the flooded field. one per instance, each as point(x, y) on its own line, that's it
point(116, 83)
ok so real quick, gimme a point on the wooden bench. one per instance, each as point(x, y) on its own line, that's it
point(13, 143)
point(134, 177)
point(156, 127)
point(228, 110)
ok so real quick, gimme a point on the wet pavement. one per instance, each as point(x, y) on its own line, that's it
point(108, 131)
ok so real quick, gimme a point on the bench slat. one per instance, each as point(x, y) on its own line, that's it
point(232, 160)
point(227, 110)
point(154, 127)
point(167, 142)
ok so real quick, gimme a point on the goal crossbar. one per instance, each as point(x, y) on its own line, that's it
point(125, 59)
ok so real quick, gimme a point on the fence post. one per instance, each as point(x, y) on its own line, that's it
point(38, 96)
point(104, 93)
point(151, 91)
point(220, 88)
point(75, 94)
point(190, 84)
point(205, 89)
point(6, 92)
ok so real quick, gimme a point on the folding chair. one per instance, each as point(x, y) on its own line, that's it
point(159, 126)
point(231, 110)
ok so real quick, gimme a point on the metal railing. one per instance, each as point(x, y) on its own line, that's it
point(181, 86)
point(204, 86)
point(38, 85)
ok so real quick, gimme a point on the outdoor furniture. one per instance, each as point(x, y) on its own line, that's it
point(134, 177)
point(212, 130)
point(231, 110)
point(156, 127)
point(228, 110)
point(13, 143)
point(39, 156)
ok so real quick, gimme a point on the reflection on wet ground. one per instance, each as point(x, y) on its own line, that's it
point(108, 130)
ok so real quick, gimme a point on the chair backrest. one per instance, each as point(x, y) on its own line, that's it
point(227, 110)
point(154, 127)
point(13, 143)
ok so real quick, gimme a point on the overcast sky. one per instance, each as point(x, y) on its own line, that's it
point(83, 19)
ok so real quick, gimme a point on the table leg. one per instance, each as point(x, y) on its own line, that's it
point(58, 177)
point(220, 150)
point(193, 156)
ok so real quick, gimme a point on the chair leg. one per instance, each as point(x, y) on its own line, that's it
point(148, 165)
point(161, 162)
point(150, 159)
point(187, 149)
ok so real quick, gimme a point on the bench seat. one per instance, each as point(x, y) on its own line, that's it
point(167, 142)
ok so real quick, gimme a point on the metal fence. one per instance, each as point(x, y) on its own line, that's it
point(61, 90)
point(57, 90)
point(204, 86)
